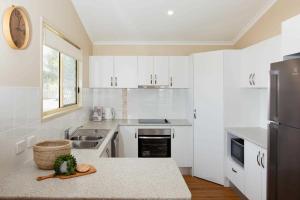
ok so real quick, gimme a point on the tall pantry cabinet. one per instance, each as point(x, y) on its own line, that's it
point(219, 102)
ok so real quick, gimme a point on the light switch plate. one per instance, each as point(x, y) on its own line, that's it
point(31, 140)
point(20, 146)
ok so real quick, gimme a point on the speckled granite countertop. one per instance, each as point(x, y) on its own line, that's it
point(256, 135)
point(116, 178)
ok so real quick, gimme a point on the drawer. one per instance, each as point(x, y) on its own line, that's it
point(236, 174)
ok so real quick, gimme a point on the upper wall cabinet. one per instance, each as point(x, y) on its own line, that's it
point(113, 72)
point(101, 71)
point(256, 62)
point(153, 71)
point(291, 36)
point(179, 72)
point(126, 72)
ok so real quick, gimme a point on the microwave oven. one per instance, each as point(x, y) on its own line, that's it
point(237, 150)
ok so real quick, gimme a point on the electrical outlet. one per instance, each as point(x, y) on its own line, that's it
point(20, 146)
point(31, 140)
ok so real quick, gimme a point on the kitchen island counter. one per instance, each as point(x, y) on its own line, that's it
point(116, 178)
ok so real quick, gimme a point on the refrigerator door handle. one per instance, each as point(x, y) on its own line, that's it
point(257, 158)
point(274, 95)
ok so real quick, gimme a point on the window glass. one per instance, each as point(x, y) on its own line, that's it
point(69, 80)
point(50, 79)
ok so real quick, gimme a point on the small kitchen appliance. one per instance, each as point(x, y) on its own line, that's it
point(108, 113)
point(96, 114)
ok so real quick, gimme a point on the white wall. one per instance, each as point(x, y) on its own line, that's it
point(145, 103)
point(20, 117)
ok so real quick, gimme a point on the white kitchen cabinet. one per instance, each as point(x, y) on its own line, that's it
point(182, 145)
point(291, 36)
point(179, 72)
point(128, 141)
point(145, 70)
point(101, 71)
point(256, 61)
point(153, 70)
point(255, 171)
point(236, 174)
point(107, 151)
point(125, 71)
point(161, 70)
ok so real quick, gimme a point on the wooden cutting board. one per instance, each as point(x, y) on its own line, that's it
point(77, 174)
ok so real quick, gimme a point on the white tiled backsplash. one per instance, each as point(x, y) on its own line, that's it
point(20, 117)
point(145, 103)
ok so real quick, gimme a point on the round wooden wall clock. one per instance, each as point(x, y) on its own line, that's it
point(16, 27)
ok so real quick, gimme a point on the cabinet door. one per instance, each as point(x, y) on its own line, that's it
point(126, 72)
point(101, 71)
point(161, 70)
point(128, 141)
point(107, 151)
point(291, 36)
point(145, 70)
point(179, 72)
point(264, 158)
point(208, 122)
point(253, 186)
point(248, 68)
point(182, 146)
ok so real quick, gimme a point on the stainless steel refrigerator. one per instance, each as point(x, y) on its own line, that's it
point(284, 131)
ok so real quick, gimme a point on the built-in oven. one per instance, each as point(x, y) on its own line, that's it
point(154, 143)
point(237, 150)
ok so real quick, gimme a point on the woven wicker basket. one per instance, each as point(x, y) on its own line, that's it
point(45, 153)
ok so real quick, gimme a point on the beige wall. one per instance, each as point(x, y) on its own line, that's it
point(269, 24)
point(159, 50)
point(22, 67)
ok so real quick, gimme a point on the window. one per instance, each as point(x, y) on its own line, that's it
point(59, 80)
point(60, 76)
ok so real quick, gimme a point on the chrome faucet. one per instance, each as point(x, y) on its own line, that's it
point(68, 134)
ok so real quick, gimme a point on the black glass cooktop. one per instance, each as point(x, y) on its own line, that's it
point(153, 121)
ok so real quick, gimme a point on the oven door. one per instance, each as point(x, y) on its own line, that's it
point(154, 146)
point(237, 151)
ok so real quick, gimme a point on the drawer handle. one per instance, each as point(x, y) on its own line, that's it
point(234, 170)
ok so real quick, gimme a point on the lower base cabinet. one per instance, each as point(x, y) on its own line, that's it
point(182, 146)
point(250, 179)
point(128, 141)
point(181, 143)
point(255, 171)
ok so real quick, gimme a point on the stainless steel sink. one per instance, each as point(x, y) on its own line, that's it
point(84, 138)
point(88, 138)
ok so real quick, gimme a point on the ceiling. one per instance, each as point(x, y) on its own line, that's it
point(146, 21)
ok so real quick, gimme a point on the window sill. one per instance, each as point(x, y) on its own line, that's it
point(59, 112)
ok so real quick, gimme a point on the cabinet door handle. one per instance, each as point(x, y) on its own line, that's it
point(151, 79)
point(257, 158)
point(171, 81)
point(107, 152)
point(261, 160)
point(195, 114)
point(111, 81)
point(250, 79)
point(173, 133)
point(155, 77)
point(116, 81)
point(253, 79)
point(135, 135)
point(232, 169)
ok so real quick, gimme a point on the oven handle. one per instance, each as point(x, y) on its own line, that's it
point(154, 138)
